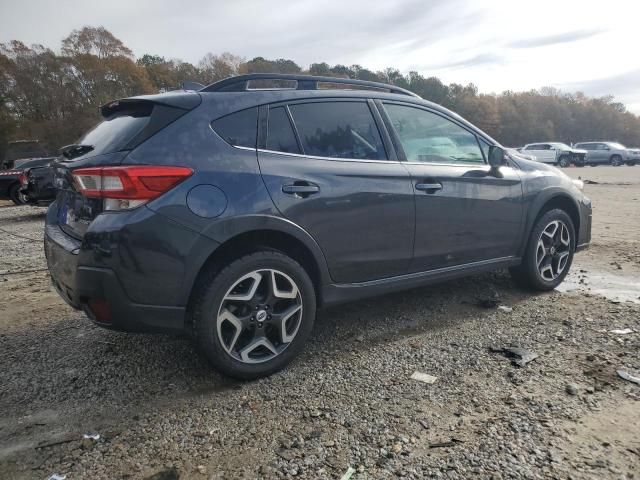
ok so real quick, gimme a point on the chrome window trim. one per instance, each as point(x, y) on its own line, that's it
point(314, 157)
point(487, 167)
point(252, 149)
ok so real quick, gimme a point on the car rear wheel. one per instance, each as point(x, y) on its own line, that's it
point(549, 252)
point(630, 163)
point(563, 161)
point(16, 196)
point(616, 160)
point(253, 317)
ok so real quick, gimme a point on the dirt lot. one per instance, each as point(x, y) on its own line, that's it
point(161, 412)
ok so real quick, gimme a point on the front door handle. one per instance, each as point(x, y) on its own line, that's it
point(429, 187)
point(302, 189)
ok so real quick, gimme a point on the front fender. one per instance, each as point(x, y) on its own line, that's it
point(538, 202)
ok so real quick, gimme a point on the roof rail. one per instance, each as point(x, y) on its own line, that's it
point(240, 83)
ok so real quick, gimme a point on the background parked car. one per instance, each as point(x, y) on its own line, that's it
point(10, 180)
point(556, 153)
point(37, 186)
point(609, 153)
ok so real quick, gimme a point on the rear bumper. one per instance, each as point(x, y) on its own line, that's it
point(80, 285)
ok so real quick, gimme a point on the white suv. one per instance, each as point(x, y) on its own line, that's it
point(557, 153)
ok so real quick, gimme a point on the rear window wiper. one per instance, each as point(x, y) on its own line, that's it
point(75, 150)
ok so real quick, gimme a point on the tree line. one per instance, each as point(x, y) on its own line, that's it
point(53, 95)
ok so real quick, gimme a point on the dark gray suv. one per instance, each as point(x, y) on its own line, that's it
point(232, 213)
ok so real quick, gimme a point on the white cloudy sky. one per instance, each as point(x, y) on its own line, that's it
point(497, 44)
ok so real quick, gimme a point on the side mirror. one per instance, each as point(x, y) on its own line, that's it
point(496, 156)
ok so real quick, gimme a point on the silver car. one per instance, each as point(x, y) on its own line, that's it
point(609, 153)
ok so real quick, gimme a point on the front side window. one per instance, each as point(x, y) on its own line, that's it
point(427, 137)
point(338, 130)
point(239, 129)
point(280, 136)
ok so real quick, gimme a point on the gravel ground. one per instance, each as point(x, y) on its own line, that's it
point(349, 401)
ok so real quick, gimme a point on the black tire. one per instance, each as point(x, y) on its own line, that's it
point(527, 274)
point(15, 195)
point(212, 292)
point(564, 162)
point(630, 163)
point(616, 160)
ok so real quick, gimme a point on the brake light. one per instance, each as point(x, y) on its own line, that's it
point(23, 178)
point(129, 186)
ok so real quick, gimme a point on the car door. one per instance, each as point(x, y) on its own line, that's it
point(536, 150)
point(602, 153)
point(326, 167)
point(465, 211)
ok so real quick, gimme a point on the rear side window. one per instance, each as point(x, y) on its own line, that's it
point(280, 136)
point(238, 129)
point(338, 130)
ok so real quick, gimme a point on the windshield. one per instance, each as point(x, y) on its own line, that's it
point(617, 146)
point(562, 146)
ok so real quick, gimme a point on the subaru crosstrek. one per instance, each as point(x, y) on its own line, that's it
point(233, 212)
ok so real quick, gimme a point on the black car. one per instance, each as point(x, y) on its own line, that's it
point(37, 184)
point(232, 213)
point(10, 180)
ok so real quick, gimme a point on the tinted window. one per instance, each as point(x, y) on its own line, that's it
point(427, 137)
point(280, 136)
point(338, 129)
point(115, 132)
point(238, 129)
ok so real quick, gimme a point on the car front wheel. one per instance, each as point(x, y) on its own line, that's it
point(564, 162)
point(549, 252)
point(253, 317)
point(616, 160)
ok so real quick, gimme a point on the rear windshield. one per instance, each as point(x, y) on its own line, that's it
point(115, 132)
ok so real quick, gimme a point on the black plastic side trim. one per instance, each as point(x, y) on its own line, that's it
point(339, 293)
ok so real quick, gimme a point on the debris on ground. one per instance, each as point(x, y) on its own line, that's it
point(451, 443)
point(423, 377)
point(519, 356)
point(424, 424)
point(590, 182)
point(627, 376)
point(57, 476)
point(572, 389)
point(91, 436)
point(347, 475)
point(504, 308)
point(623, 331)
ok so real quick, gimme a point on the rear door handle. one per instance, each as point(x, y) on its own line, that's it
point(429, 187)
point(301, 189)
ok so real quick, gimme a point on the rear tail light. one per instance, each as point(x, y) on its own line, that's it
point(128, 187)
point(23, 178)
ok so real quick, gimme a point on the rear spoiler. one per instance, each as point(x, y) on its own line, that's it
point(184, 100)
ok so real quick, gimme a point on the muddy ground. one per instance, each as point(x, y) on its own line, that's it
point(349, 401)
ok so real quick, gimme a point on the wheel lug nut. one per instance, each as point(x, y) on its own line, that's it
point(268, 317)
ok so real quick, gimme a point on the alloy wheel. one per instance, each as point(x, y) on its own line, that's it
point(553, 249)
point(259, 316)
